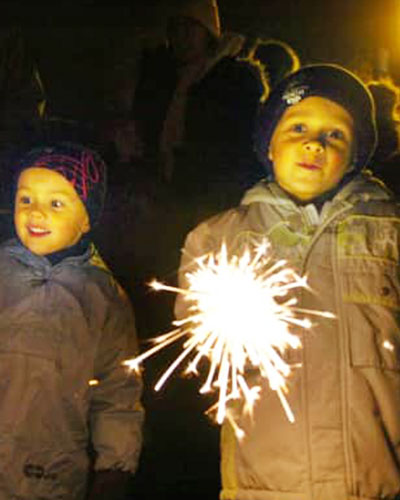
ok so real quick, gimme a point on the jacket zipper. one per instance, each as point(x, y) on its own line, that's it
point(314, 239)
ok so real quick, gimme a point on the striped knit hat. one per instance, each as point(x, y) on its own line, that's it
point(81, 166)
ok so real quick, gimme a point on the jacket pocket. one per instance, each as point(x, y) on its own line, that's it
point(42, 472)
point(372, 312)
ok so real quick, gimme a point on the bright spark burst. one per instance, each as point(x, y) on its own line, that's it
point(239, 318)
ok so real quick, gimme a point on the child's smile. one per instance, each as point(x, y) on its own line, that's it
point(36, 231)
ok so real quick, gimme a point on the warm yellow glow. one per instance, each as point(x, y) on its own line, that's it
point(239, 318)
point(93, 382)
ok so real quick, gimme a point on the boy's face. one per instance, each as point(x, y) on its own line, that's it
point(312, 147)
point(48, 215)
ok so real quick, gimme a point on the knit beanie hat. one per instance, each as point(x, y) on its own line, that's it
point(81, 166)
point(324, 80)
point(204, 12)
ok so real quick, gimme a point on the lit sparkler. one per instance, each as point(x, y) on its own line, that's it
point(239, 318)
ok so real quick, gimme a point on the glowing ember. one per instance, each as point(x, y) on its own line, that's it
point(239, 317)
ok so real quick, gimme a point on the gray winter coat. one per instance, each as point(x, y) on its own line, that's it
point(345, 394)
point(64, 331)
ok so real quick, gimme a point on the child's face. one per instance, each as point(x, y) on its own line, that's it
point(49, 215)
point(312, 147)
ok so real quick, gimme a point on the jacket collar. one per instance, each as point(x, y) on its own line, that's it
point(363, 187)
point(15, 248)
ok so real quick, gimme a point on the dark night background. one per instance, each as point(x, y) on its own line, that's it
point(82, 46)
point(85, 51)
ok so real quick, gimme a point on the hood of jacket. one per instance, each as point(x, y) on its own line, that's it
point(16, 249)
point(364, 187)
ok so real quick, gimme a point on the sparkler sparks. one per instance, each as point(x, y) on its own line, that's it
point(239, 318)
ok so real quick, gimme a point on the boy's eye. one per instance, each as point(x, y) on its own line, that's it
point(336, 134)
point(57, 203)
point(24, 200)
point(299, 127)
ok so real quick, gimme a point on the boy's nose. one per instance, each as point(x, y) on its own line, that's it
point(314, 146)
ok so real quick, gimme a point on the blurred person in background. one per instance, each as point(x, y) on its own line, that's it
point(196, 128)
point(276, 58)
point(22, 104)
point(385, 162)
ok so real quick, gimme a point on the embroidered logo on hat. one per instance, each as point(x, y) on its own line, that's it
point(294, 94)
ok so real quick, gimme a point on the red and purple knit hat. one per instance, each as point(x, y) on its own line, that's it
point(81, 166)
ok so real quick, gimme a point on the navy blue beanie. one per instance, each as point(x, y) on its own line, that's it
point(81, 166)
point(324, 80)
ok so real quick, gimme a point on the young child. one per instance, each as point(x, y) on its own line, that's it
point(334, 223)
point(65, 328)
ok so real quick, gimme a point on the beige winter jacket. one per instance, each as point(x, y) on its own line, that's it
point(345, 394)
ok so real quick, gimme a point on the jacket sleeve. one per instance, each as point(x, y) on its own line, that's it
point(116, 414)
point(229, 227)
point(197, 243)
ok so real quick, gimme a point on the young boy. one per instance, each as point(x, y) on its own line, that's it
point(334, 223)
point(65, 328)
